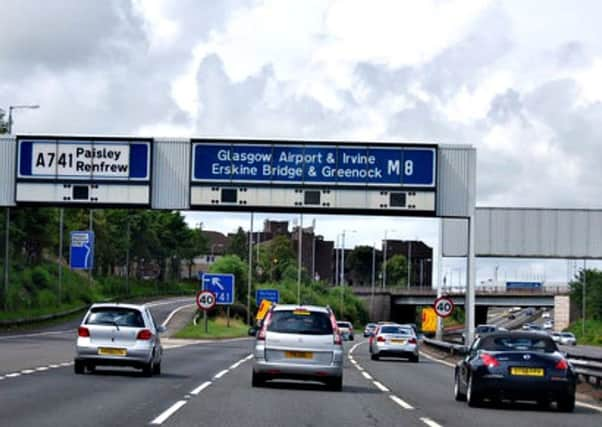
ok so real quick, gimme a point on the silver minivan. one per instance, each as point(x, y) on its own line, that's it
point(119, 335)
point(299, 343)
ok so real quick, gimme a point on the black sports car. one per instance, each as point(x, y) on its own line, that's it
point(515, 366)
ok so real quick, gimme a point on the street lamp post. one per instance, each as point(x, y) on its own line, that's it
point(11, 108)
point(385, 259)
point(373, 281)
point(342, 268)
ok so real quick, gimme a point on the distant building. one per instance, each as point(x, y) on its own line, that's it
point(217, 243)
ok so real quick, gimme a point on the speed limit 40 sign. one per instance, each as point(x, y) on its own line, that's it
point(444, 306)
point(205, 300)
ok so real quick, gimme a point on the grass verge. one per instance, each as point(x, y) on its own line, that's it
point(593, 332)
point(217, 329)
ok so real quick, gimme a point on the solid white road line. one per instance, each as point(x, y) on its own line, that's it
point(429, 422)
point(589, 406)
point(54, 366)
point(220, 374)
point(169, 412)
point(173, 313)
point(443, 362)
point(201, 388)
point(42, 368)
point(13, 375)
point(37, 334)
point(367, 375)
point(400, 402)
point(27, 371)
point(380, 386)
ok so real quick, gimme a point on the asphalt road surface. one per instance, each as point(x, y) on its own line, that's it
point(210, 384)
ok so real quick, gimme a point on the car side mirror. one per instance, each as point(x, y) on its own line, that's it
point(252, 331)
point(161, 329)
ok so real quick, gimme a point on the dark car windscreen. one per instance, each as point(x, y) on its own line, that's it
point(396, 330)
point(115, 316)
point(509, 343)
point(300, 322)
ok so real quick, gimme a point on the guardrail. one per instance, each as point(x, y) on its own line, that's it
point(588, 368)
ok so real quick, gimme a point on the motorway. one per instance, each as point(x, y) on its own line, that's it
point(210, 384)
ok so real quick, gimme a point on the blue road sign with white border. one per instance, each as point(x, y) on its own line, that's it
point(222, 285)
point(271, 295)
point(403, 166)
point(81, 252)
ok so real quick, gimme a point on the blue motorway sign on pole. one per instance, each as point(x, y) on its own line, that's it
point(271, 295)
point(81, 253)
point(524, 285)
point(222, 285)
point(375, 165)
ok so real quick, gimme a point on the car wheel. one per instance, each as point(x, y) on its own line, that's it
point(543, 403)
point(257, 380)
point(374, 356)
point(458, 395)
point(79, 367)
point(91, 367)
point(147, 369)
point(472, 396)
point(157, 369)
point(335, 384)
point(414, 358)
point(567, 404)
point(351, 338)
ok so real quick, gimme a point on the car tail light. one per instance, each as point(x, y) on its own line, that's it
point(381, 339)
point(336, 335)
point(144, 334)
point(83, 332)
point(264, 327)
point(412, 340)
point(562, 364)
point(489, 360)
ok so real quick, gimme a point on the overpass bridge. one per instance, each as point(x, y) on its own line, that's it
point(400, 304)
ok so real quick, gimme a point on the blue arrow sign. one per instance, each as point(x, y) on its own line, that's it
point(222, 285)
point(81, 253)
point(271, 295)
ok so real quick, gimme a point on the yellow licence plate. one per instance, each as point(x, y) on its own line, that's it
point(298, 355)
point(398, 341)
point(527, 372)
point(104, 351)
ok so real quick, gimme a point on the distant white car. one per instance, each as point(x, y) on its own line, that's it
point(567, 338)
point(548, 324)
point(546, 315)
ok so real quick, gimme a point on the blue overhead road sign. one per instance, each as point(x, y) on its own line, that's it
point(271, 295)
point(337, 164)
point(81, 254)
point(222, 285)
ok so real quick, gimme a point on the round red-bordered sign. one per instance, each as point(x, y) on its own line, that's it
point(444, 306)
point(205, 300)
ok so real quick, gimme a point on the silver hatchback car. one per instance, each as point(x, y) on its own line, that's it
point(119, 335)
point(299, 343)
point(394, 341)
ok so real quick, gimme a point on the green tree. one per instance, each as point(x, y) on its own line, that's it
point(359, 264)
point(239, 244)
point(277, 257)
point(593, 293)
point(232, 264)
point(397, 271)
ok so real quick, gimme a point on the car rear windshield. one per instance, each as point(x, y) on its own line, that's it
point(116, 316)
point(567, 335)
point(300, 322)
point(344, 324)
point(508, 343)
point(396, 330)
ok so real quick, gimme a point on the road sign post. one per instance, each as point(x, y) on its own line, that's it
point(205, 300)
point(444, 306)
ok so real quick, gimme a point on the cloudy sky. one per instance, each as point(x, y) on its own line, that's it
point(519, 80)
